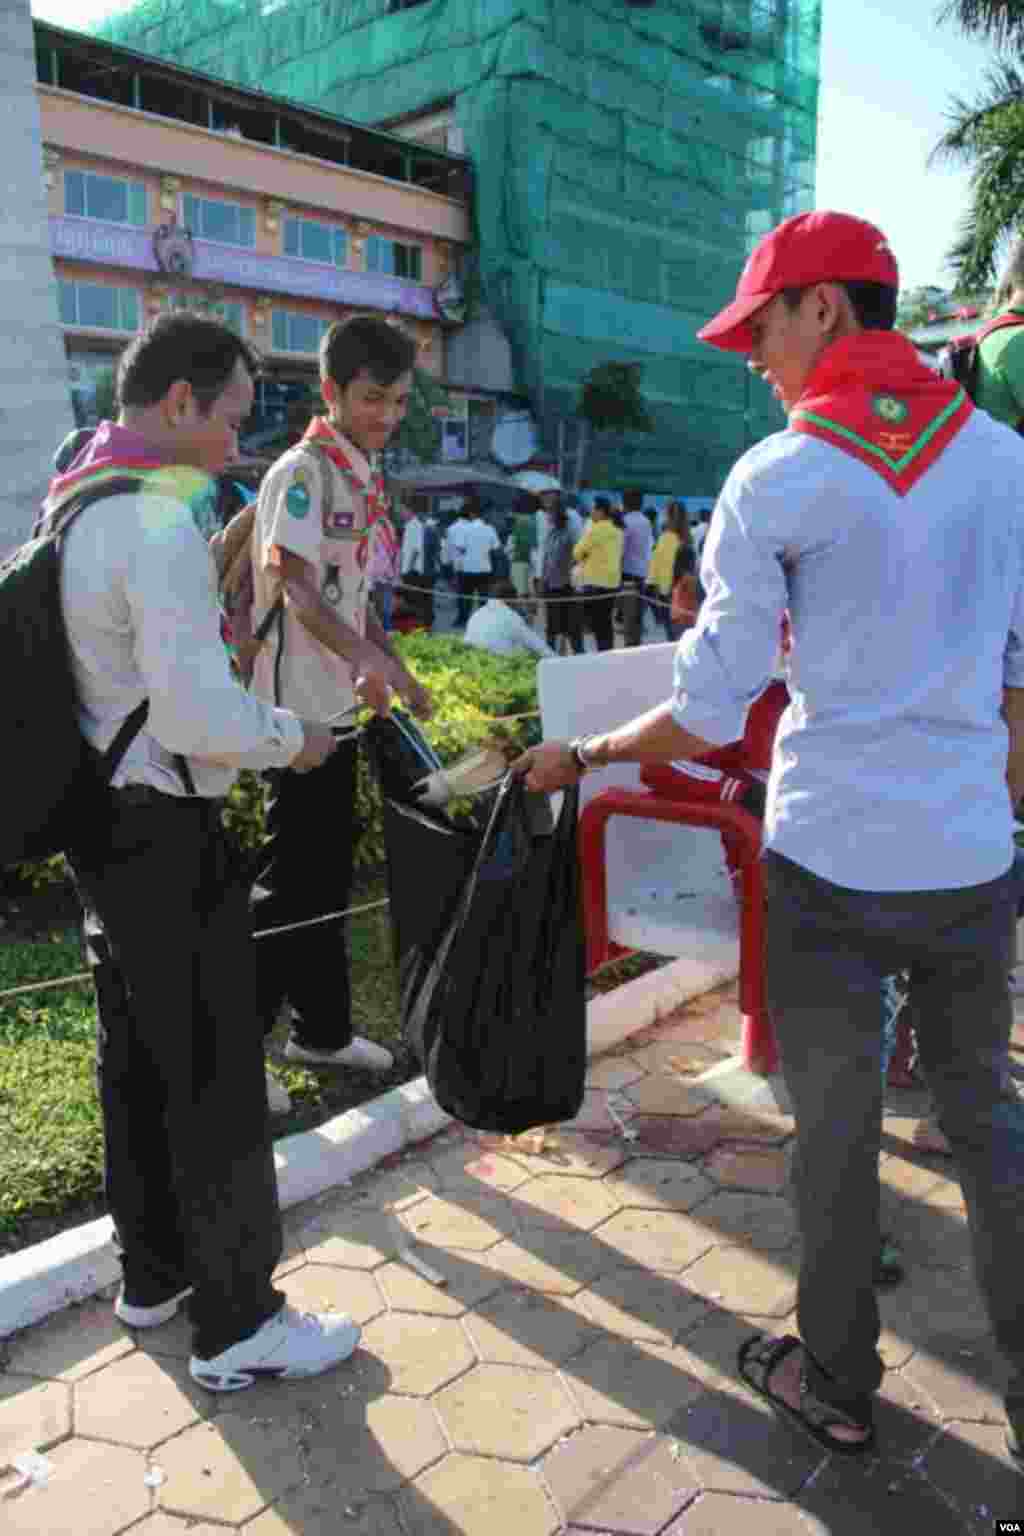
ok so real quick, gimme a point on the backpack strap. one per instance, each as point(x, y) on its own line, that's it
point(55, 526)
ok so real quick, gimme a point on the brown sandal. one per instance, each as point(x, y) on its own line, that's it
point(758, 1358)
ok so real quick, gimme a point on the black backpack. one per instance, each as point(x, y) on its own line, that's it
point(53, 784)
point(958, 360)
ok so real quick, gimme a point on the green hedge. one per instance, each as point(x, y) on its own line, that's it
point(474, 693)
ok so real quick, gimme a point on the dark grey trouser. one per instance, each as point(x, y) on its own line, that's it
point(827, 949)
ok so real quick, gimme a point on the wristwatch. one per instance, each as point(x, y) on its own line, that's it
point(578, 750)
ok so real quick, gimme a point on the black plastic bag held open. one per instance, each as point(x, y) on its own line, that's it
point(489, 934)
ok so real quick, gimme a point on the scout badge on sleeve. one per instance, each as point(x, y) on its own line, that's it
point(297, 500)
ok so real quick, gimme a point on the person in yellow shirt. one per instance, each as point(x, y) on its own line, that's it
point(598, 557)
point(662, 566)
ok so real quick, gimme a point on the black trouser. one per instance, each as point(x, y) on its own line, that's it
point(421, 602)
point(562, 616)
point(189, 1175)
point(597, 614)
point(828, 948)
point(471, 584)
point(633, 605)
point(306, 871)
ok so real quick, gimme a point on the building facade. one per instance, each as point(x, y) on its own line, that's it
point(36, 411)
point(627, 156)
point(166, 190)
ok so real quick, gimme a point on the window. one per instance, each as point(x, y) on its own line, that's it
point(295, 332)
point(104, 197)
point(98, 307)
point(231, 315)
point(315, 242)
point(395, 259)
point(227, 223)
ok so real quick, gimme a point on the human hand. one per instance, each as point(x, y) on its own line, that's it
point(419, 699)
point(318, 743)
point(548, 767)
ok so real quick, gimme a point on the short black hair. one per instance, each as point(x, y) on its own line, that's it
point(874, 304)
point(633, 500)
point(182, 345)
point(384, 349)
point(604, 502)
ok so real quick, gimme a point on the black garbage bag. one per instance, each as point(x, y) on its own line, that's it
point(490, 950)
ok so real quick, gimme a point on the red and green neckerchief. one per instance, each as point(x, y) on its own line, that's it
point(323, 435)
point(871, 396)
point(179, 482)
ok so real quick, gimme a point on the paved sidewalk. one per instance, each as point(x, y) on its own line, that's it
point(575, 1374)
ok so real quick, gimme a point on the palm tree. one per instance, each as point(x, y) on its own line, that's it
point(999, 21)
point(987, 134)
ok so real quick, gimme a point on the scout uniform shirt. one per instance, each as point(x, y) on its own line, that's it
point(330, 532)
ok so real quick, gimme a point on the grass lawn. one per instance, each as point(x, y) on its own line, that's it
point(51, 1143)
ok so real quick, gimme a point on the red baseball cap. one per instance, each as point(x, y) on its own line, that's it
point(820, 247)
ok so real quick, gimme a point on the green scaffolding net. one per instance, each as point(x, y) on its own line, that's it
point(627, 156)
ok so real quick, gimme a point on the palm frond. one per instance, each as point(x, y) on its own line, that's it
point(1000, 22)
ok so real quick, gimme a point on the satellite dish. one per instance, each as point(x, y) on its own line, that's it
point(514, 440)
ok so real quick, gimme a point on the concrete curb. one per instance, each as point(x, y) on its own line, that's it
point(77, 1264)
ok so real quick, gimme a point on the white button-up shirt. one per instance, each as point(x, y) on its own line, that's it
point(889, 771)
point(497, 627)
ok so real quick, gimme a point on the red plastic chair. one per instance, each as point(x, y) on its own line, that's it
point(741, 833)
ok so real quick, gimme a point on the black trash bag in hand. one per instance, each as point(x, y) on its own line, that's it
point(489, 935)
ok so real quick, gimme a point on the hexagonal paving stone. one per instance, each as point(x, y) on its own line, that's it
point(592, 1114)
point(748, 1123)
point(139, 1401)
point(907, 1419)
point(674, 1135)
point(325, 1511)
point(522, 1327)
point(163, 1524)
point(93, 1490)
point(506, 1411)
point(940, 1311)
point(663, 1240)
point(323, 1288)
point(557, 1202)
point(619, 1480)
point(618, 1382)
point(744, 1282)
point(708, 1351)
point(404, 1184)
point(931, 1236)
point(468, 1167)
point(71, 1345)
point(573, 1152)
point(558, 1262)
point(735, 1443)
point(970, 1385)
point(757, 1221)
point(33, 1414)
point(475, 1497)
point(714, 1514)
point(914, 1175)
point(659, 1184)
point(229, 1470)
point(367, 1448)
point(642, 1304)
point(852, 1500)
point(761, 1170)
point(421, 1353)
point(351, 1238)
point(666, 1094)
point(970, 1464)
point(461, 1220)
point(467, 1282)
point(613, 1072)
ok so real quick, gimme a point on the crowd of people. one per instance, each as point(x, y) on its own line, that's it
point(880, 533)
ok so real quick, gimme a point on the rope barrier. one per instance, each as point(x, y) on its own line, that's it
point(263, 933)
point(613, 594)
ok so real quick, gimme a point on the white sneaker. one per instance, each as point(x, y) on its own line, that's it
point(288, 1345)
point(149, 1317)
point(361, 1053)
point(279, 1100)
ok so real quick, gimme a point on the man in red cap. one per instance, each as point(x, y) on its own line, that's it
point(886, 519)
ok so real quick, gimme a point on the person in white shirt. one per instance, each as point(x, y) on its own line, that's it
point(886, 522)
point(474, 542)
point(497, 627)
point(189, 1174)
point(414, 566)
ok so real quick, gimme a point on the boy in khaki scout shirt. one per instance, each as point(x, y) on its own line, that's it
point(311, 541)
